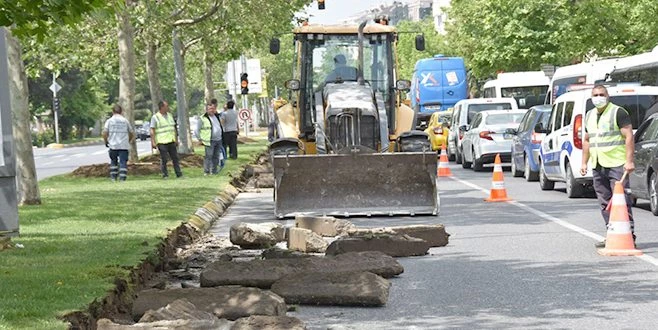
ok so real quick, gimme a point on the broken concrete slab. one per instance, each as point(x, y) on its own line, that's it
point(269, 323)
point(278, 253)
point(179, 309)
point(324, 226)
point(340, 289)
point(223, 302)
point(263, 273)
point(216, 324)
point(264, 180)
point(304, 240)
point(435, 235)
point(392, 245)
point(261, 235)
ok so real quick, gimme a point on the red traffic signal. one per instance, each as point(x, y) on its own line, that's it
point(244, 84)
point(321, 4)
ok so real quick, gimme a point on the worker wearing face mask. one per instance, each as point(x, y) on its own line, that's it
point(608, 146)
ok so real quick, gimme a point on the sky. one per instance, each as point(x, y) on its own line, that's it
point(337, 10)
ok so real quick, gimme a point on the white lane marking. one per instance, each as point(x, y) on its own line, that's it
point(48, 163)
point(78, 155)
point(58, 156)
point(100, 152)
point(582, 231)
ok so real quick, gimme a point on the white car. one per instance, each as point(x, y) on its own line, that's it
point(490, 134)
point(561, 150)
point(463, 115)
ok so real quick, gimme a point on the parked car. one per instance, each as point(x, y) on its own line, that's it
point(644, 180)
point(562, 149)
point(463, 115)
point(489, 135)
point(526, 142)
point(143, 131)
point(437, 128)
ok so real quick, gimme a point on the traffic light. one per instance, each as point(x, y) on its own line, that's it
point(321, 4)
point(244, 84)
point(56, 104)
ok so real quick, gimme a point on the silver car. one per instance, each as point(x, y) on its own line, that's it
point(489, 134)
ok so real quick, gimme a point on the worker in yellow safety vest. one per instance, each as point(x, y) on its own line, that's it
point(608, 145)
point(165, 139)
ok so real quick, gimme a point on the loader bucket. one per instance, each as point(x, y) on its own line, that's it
point(355, 184)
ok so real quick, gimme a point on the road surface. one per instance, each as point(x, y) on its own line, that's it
point(526, 264)
point(51, 162)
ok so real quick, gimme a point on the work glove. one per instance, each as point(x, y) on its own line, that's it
point(107, 145)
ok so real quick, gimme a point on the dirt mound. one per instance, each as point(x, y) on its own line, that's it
point(147, 166)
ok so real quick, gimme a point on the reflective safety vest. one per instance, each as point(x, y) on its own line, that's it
point(165, 131)
point(607, 146)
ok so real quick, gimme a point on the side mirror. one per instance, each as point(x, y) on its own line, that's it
point(512, 131)
point(420, 42)
point(463, 128)
point(403, 85)
point(275, 46)
point(539, 128)
point(293, 84)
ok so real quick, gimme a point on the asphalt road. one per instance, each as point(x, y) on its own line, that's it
point(51, 162)
point(526, 264)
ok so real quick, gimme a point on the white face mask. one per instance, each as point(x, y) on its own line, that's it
point(599, 101)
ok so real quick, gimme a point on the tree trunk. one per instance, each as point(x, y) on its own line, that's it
point(153, 75)
point(127, 72)
point(184, 136)
point(26, 176)
point(207, 63)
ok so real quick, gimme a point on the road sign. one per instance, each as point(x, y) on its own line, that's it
point(55, 87)
point(244, 115)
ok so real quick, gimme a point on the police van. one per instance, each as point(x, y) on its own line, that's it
point(561, 152)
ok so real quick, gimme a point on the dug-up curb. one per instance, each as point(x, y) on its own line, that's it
point(205, 216)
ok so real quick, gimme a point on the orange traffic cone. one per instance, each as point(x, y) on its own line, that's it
point(443, 169)
point(498, 192)
point(619, 239)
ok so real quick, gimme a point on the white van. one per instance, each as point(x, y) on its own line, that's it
point(581, 73)
point(561, 150)
point(527, 87)
point(462, 115)
point(642, 68)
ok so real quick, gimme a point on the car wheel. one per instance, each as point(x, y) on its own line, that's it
point(529, 174)
point(544, 182)
point(451, 157)
point(465, 164)
point(653, 194)
point(515, 171)
point(574, 189)
point(478, 164)
point(459, 158)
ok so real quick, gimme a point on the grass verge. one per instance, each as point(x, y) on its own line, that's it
point(89, 231)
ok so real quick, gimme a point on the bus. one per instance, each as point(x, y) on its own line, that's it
point(581, 73)
point(527, 88)
point(438, 83)
point(642, 68)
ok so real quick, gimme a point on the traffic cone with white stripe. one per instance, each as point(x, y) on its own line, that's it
point(443, 169)
point(498, 192)
point(619, 239)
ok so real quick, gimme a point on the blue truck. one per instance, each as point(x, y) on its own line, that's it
point(438, 83)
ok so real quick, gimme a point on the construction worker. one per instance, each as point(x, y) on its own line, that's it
point(118, 134)
point(165, 138)
point(209, 131)
point(608, 145)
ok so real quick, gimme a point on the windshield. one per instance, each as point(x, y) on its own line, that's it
point(526, 96)
point(334, 59)
point(475, 108)
point(504, 118)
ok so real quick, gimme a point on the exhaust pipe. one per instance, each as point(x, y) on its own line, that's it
point(359, 78)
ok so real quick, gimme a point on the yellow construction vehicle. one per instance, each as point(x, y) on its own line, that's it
point(345, 141)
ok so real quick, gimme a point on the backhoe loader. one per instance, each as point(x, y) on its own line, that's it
point(345, 141)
